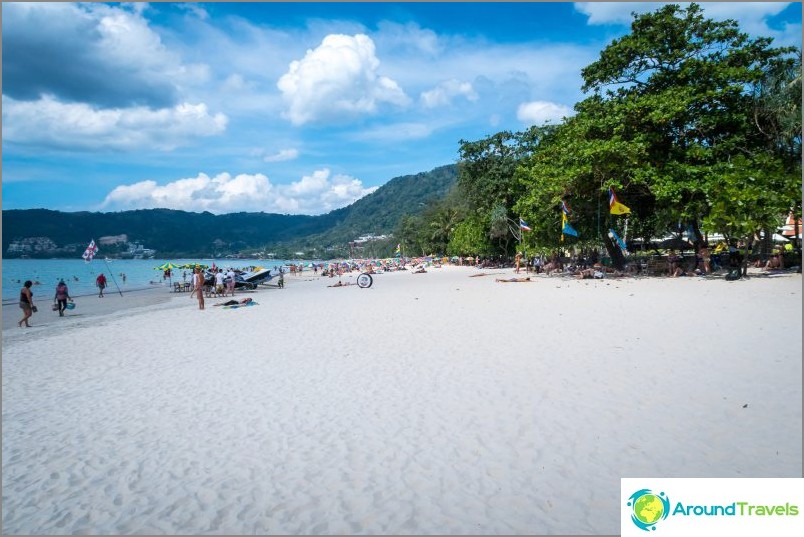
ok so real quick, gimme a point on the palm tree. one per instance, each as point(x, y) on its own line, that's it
point(441, 227)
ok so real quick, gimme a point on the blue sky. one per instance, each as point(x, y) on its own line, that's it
point(296, 108)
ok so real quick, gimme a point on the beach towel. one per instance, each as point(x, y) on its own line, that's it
point(235, 306)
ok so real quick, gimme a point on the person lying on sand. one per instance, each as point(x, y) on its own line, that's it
point(234, 302)
point(341, 284)
point(510, 280)
point(590, 273)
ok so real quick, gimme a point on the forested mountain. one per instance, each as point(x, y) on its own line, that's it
point(180, 233)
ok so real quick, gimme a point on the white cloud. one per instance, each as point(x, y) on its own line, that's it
point(235, 83)
point(193, 9)
point(394, 132)
point(752, 16)
point(94, 53)
point(282, 155)
point(614, 12)
point(409, 37)
point(337, 80)
point(314, 194)
point(540, 112)
point(80, 126)
point(443, 94)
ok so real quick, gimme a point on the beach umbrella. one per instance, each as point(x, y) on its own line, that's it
point(193, 265)
point(168, 266)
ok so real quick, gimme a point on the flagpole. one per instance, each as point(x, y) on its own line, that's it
point(112, 275)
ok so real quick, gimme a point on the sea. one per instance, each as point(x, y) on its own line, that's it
point(121, 274)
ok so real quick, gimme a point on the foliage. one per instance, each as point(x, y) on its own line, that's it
point(470, 238)
point(673, 133)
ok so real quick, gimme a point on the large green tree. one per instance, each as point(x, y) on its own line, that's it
point(671, 126)
point(487, 177)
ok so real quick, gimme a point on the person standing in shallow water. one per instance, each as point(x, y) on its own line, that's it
point(26, 303)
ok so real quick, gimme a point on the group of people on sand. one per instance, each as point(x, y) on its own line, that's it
point(61, 299)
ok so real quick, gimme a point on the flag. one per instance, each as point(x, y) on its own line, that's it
point(523, 226)
point(565, 208)
point(566, 228)
point(615, 207)
point(398, 251)
point(90, 252)
point(619, 241)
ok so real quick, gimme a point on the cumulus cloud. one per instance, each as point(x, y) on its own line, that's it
point(337, 80)
point(752, 16)
point(443, 94)
point(95, 53)
point(317, 193)
point(282, 155)
point(80, 126)
point(540, 112)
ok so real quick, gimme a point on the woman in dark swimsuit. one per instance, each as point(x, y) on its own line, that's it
point(26, 303)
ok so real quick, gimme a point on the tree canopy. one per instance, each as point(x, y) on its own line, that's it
point(689, 120)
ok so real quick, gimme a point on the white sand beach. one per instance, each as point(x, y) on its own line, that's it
point(429, 403)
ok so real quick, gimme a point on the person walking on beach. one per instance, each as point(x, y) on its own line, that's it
point(62, 296)
point(100, 281)
point(198, 282)
point(26, 303)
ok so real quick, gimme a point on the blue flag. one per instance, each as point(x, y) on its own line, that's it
point(619, 241)
point(566, 228)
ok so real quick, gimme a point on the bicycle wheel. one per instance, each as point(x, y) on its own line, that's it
point(364, 281)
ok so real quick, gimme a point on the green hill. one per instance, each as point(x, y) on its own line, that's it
point(180, 233)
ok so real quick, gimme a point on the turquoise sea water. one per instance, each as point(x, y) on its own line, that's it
point(80, 275)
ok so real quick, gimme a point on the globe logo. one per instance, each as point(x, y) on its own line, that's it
point(648, 508)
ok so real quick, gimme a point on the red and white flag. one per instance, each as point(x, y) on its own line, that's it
point(90, 252)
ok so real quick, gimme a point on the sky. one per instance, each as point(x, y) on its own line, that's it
point(292, 108)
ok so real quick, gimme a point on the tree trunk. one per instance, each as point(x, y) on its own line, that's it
point(617, 257)
point(748, 245)
point(699, 240)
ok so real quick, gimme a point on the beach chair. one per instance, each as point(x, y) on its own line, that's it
point(177, 287)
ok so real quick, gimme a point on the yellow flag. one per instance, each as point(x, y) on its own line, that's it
point(615, 207)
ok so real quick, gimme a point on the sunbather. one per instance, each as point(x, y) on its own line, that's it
point(510, 280)
point(235, 302)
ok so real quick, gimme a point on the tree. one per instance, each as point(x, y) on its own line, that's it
point(470, 238)
point(441, 225)
point(486, 175)
point(683, 86)
point(670, 119)
point(408, 234)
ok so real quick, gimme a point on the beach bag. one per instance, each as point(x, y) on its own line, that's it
point(55, 307)
point(34, 309)
point(733, 274)
point(71, 306)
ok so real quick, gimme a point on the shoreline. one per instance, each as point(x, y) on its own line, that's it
point(427, 404)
